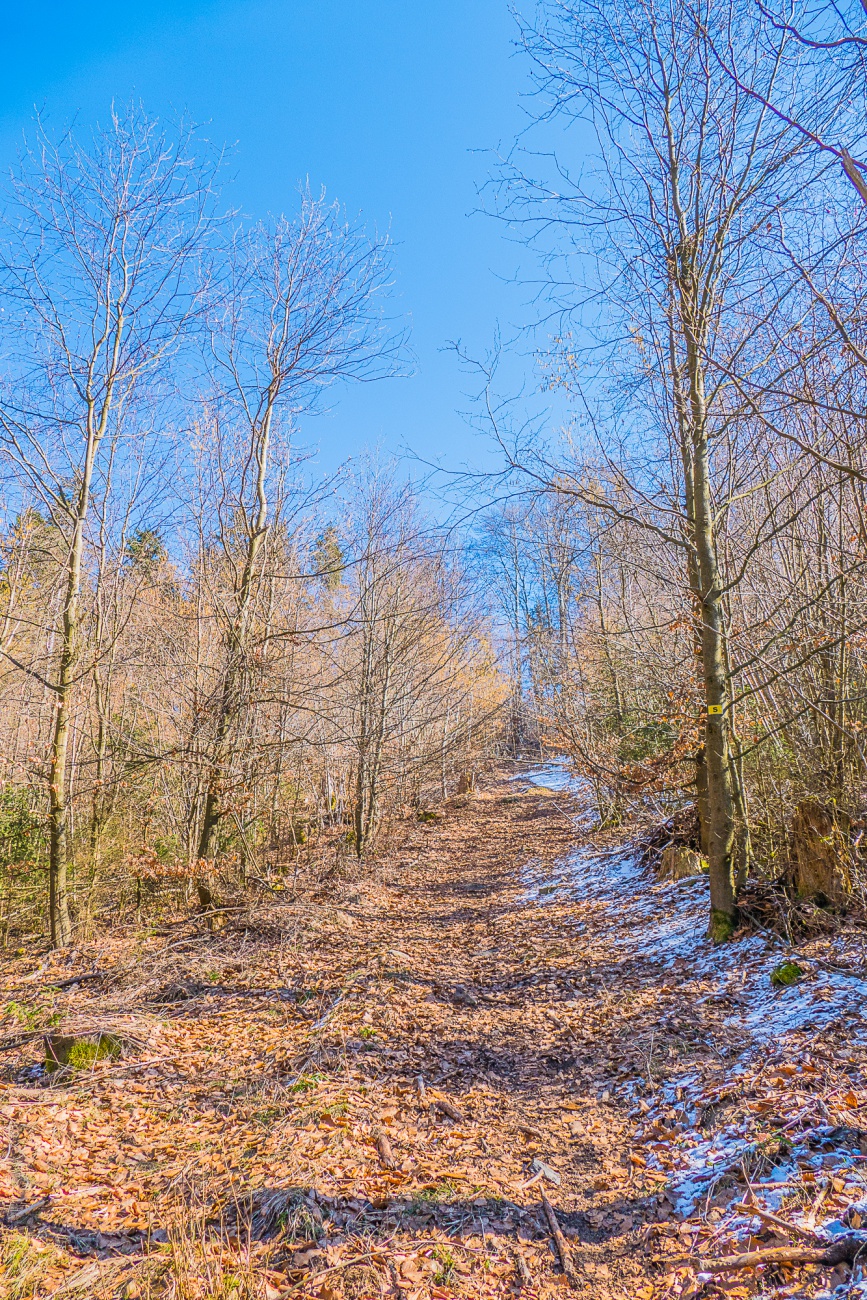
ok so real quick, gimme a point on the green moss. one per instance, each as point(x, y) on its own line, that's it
point(83, 1055)
point(786, 974)
point(269, 1116)
point(722, 925)
point(80, 1053)
point(436, 1194)
point(37, 1015)
point(336, 1110)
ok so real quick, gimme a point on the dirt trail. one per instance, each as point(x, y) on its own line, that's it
point(381, 1091)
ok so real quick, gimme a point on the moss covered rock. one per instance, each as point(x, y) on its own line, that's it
point(786, 974)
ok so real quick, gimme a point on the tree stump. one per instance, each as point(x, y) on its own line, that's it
point(821, 854)
point(679, 863)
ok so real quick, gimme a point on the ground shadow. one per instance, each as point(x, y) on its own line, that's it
point(302, 1219)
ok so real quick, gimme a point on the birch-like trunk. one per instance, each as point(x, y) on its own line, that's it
point(58, 797)
point(59, 848)
point(720, 792)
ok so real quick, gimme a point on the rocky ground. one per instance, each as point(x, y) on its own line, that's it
point(504, 1060)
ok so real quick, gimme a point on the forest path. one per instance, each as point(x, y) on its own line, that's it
point(381, 1089)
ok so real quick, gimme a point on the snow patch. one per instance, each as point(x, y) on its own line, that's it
point(813, 1003)
point(553, 776)
point(665, 923)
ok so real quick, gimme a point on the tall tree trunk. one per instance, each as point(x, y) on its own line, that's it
point(232, 693)
point(720, 788)
point(694, 309)
point(213, 810)
point(98, 802)
point(58, 801)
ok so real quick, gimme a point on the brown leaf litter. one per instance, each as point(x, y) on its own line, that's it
point(504, 1061)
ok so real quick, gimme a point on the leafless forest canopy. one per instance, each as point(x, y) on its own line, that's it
point(216, 663)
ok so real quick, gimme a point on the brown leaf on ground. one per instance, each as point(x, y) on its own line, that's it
point(368, 1105)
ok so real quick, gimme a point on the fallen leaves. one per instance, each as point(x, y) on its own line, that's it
point(408, 1127)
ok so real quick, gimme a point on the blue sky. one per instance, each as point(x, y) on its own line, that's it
point(383, 102)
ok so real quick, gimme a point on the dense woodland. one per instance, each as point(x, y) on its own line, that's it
point(685, 568)
point(210, 656)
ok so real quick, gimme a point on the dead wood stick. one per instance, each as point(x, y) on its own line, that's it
point(75, 979)
point(422, 1090)
point(33, 1208)
point(794, 1228)
point(524, 1275)
point(450, 1111)
point(817, 1204)
point(529, 1129)
point(843, 1251)
point(386, 1154)
point(19, 1040)
point(560, 1242)
point(395, 1280)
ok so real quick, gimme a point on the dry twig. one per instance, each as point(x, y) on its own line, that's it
point(560, 1242)
point(450, 1111)
point(795, 1229)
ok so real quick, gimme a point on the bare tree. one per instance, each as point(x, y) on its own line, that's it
point(822, 67)
point(414, 680)
point(669, 238)
point(303, 308)
point(100, 242)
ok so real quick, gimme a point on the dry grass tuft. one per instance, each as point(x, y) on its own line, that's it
point(27, 1267)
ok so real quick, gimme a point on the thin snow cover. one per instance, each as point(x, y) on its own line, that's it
point(664, 928)
point(702, 1162)
point(559, 777)
point(553, 776)
point(666, 925)
point(814, 1003)
point(584, 873)
point(697, 1163)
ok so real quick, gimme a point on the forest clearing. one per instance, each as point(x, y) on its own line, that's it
point(402, 1089)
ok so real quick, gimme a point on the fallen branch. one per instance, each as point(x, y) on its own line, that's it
point(19, 1040)
point(531, 1182)
point(386, 1154)
point(33, 1208)
point(450, 1111)
point(818, 1203)
point(843, 1251)
point(76, 979)
point(795, 1229)
point(525, 1277)
point(560, 1242)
